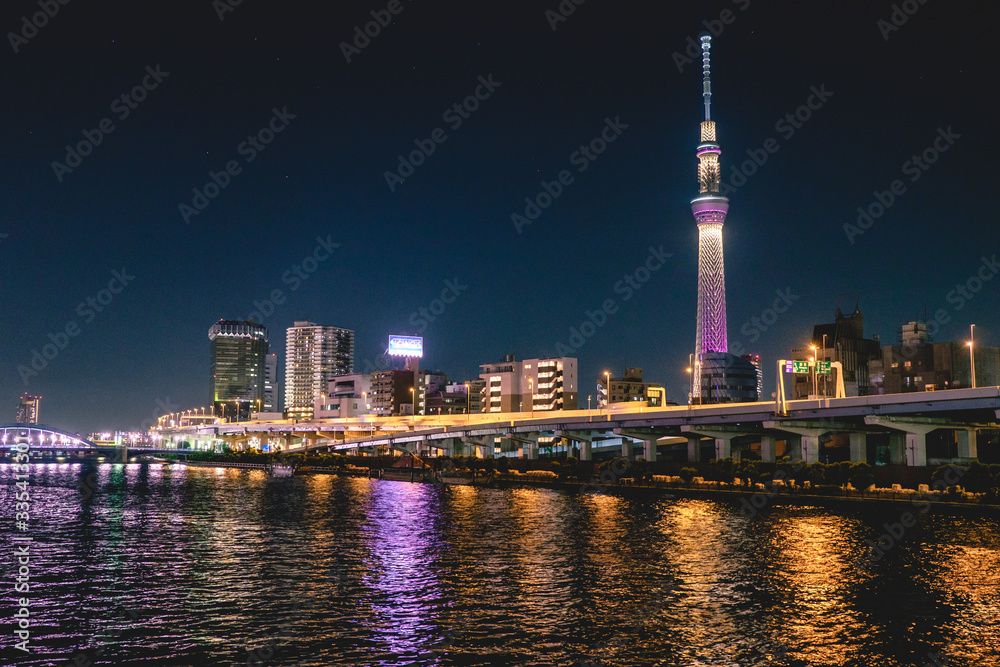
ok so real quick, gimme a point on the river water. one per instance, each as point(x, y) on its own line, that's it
point(170, 565)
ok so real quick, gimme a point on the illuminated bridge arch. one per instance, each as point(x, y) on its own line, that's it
point(38, 436)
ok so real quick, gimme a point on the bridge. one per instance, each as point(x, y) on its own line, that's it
point(892, 429)
point(54, 441)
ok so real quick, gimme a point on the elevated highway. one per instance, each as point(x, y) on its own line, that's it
point(799, 429)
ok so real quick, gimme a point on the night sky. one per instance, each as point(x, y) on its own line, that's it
point(212, 85)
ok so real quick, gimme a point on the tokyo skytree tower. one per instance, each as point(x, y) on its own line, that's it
point(709, 209)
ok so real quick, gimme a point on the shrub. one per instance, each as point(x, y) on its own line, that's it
point(861, 476)
point(687, 474)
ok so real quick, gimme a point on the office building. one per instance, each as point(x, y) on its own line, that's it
point(271, 398)
point(313, 355)
point(27, 409)
point(238, 353)
point(844, 342)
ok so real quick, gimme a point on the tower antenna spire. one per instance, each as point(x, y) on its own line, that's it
point(706, 66)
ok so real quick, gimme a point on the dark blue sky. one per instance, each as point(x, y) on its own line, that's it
point(323, 176)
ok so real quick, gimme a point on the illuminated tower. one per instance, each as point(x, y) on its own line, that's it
point(709, 209)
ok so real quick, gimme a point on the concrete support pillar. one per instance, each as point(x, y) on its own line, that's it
point(916, 449)
point(649, 449)
point(585, 450)
point(897, 449)
point(694, 448)
point(723, 448)
point(793, 447)
point(628, 450)
point(859, 447)
point(529, 450)
point(810, 449)
point(967, 446)
point(767, 448)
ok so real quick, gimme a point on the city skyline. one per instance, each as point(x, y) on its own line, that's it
point(311, 228)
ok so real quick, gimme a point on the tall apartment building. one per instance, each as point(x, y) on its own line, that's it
point(629, 387)
point(919, 364)
point(476, 388)
point(238, 359)
point(313, 355)
point(531, 385)
point(27, 409)
point(391, 392)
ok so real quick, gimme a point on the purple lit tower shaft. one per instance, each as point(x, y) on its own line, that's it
point(709, 209)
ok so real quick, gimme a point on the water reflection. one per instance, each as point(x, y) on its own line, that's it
point(356, 571)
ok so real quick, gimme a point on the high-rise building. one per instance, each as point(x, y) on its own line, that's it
point(531, 385)
point(238, 354)
point(271, 398)
point(313, 355)
point(717, 376)
point(27, 409)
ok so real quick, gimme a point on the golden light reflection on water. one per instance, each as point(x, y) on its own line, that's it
point(541, 568)
point(815, 562)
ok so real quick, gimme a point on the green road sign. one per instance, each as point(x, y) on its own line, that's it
point(823, 367)
point(800, 366)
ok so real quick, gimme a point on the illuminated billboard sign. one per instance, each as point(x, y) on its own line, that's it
point(406, 346)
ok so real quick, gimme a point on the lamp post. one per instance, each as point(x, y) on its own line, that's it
point(826, 379)
point(814, 360)
point(531, 395)
point(468, 403)
point(413, 410)
point(972, 353)
point(590, 417)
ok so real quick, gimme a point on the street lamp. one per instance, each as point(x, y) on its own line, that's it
point(607, 392)
point(531, 394)
point(972, 353)
point(590, 417)
point(814, 360)
point(413, 411)
point(468, 403)
point(826, 379)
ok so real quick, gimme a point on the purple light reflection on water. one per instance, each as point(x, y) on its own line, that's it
point(404, 543)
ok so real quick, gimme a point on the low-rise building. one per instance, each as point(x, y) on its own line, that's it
point(919, 364)
point(842, 341)
point(530, 385)
point(346, 396)
point(629, 387)
point(392, 392)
